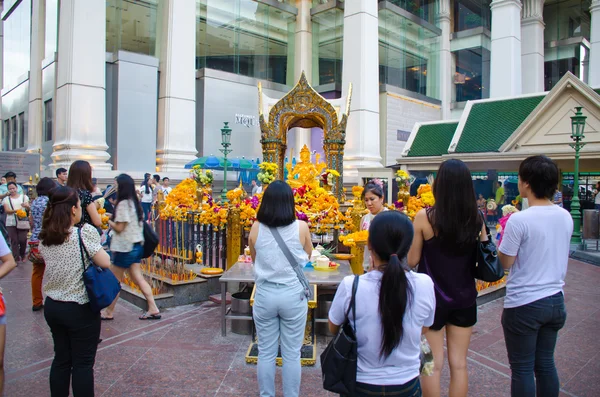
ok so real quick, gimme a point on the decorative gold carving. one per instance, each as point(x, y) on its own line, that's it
point(234, 236)
point(356, 262)
point(304, 107)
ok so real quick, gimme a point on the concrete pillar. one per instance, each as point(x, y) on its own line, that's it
point(361, 69)
point(594, 68)
point(37, 49)
point(303, 62)
point(506, 48)
point(80, 85)
point(532, 46)
point(176, 140)
point(446, 72)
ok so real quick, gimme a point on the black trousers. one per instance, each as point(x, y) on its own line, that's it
point(75, 330)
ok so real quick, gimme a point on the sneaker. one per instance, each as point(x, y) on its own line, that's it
point(37, 308)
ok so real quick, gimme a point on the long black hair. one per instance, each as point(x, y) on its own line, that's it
point(146, 182)
point(126, 191)
point(455, 218)
point(390, 237)
point(277, 207)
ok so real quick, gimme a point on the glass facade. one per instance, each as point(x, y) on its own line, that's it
point(424, 9)
point(472, 74)
point(566, 37)
point(470, 14)
point(131, 25)
point(51, 28)
point(17, 39)
point(328, 39)
point(408, 54)
point(247, 38)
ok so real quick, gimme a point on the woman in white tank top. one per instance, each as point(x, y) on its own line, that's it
point(280, 307)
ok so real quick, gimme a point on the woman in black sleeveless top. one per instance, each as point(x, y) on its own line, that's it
point(444, 247)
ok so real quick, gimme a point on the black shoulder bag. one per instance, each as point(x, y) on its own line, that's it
point(488, 267)
point(338, 361)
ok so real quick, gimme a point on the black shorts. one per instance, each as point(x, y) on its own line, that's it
point(465, 318)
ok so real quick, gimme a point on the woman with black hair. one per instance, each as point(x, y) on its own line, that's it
point(80, 179)
point(146, 196)
point(127, 245)
point(444, 247)
point(394, 306)
point(374, 201)
point(280, 306)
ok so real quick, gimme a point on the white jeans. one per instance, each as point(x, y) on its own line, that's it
point(280, 317)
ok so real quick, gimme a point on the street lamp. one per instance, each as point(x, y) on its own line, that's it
point(577, 126)
point(225, 142)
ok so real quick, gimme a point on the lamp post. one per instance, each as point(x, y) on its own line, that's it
point(577, 126)
point(225, 142)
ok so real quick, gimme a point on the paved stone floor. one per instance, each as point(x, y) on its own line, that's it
point(185, 355)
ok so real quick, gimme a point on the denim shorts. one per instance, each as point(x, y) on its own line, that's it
point(126, 259)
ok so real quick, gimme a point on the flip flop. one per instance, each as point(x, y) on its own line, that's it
point(106, 318)
point(146, 316)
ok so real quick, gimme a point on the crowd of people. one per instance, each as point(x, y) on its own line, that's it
point(57, 232)
point(418, 280)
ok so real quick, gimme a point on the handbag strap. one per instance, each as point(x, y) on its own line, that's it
point(82, 249)
point(13, 208)
point(487, 229)
point(290, 257)
point(352, 304)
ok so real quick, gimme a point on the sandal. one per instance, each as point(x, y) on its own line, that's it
point(106, 318)
point(148, 316)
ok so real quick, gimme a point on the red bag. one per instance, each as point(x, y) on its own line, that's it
point(2, 305)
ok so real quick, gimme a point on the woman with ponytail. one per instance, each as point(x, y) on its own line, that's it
point(394, 306)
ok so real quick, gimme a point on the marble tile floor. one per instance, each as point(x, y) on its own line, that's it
point(184, 354)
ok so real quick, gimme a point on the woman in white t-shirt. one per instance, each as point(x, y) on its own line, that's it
point(146, 195)
point(7, 264)
point(394, 307)
point(127, 244)
point(374, 201)
point(18, 236)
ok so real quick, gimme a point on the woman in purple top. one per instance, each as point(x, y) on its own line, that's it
point(444, 247)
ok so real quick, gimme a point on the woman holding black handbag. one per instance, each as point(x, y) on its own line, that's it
point(394, 306)
point(280, 305)
point(74, 325)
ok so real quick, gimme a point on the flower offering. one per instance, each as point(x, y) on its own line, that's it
point(268, 172)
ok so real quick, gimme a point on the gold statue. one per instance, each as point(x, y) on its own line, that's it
point(307, 172)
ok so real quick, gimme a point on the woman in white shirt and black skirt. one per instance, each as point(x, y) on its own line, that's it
point(75, 327)
point(394, 306)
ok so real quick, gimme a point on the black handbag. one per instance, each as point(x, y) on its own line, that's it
point(338, 361)
point(101, 284)
point(150, 241)
point(488, 267)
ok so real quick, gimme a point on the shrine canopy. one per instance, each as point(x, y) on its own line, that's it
point(305, 108)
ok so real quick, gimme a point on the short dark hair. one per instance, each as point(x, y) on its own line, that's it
point(60, 171)
point(12, 183)
point(166, 179)
point(541, 173)
point(500, 183)
point(277, 207)
point(10, 174)
point(157, 177)
point(44, 186)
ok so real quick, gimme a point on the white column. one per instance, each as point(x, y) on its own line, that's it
point(361, 69)
point(506, 48)
point(80, 85)
point(176, 141)
point(445, 65)
point(594, 68)
point(532, 46)
point(303, 62)
point(38, 37)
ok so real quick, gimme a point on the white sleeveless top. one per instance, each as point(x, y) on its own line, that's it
point(271, 263)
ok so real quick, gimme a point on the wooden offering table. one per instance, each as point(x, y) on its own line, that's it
point(243, 273)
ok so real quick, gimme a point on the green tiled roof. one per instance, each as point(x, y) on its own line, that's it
point(490, 124)
point(597, 91)
point(433, 139)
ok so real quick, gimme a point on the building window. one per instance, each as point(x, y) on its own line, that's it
point(470, 14)
point(21, 130)
point(131, 26)
point(245, 37)
point(424, 9)
point(5, 134)
point(472, 74)
point(17, 37)
point(48, 119)
point(328, 34)
point(408, 54)
point(14, 136)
